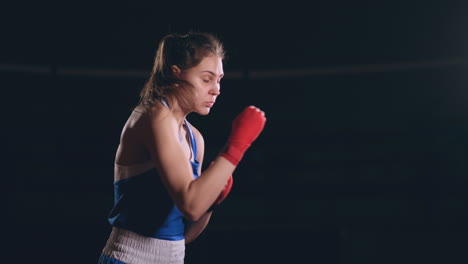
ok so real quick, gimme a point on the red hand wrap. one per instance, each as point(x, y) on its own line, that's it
point(245, 129)
point(224, 193)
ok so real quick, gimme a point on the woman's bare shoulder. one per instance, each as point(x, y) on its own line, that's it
point(158, 112)
point(196, 132)
point(144, 119)
point(198, 137)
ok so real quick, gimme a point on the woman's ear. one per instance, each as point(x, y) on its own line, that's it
point(176, 71)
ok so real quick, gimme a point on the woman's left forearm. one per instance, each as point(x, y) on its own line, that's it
point(194, 229)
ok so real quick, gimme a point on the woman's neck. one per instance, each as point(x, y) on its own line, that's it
point(179, 113)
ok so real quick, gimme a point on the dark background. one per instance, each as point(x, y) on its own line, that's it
point(363, 158)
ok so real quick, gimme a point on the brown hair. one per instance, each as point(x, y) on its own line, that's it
point(184, 51)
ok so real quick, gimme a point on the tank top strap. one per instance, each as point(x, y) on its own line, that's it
point(192, 139)
point(163, 100)
point(192, 136)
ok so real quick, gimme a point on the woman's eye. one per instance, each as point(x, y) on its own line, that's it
point(206, 81)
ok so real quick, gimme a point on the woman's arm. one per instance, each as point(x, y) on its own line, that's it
point(194, 229)
point(192, 197)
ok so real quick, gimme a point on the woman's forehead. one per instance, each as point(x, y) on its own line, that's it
point(210, 64)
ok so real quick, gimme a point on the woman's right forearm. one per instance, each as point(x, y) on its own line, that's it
point(203, 191)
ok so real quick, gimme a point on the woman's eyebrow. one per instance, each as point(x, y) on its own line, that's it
point(214, 74)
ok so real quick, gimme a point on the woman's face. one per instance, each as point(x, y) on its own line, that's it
point(205, 78)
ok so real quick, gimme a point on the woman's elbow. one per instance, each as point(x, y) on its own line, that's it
point(191, 208)
point(192, 214)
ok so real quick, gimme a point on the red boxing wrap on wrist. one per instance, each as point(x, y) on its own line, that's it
point(245, 129)
point(224, 193)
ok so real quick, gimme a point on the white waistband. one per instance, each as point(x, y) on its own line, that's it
point(130, 247)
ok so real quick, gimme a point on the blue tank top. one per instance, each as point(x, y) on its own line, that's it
point(143, 205)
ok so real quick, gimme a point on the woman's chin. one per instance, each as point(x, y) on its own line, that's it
point(204, 111)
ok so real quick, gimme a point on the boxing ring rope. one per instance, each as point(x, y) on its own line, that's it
point(251, 74)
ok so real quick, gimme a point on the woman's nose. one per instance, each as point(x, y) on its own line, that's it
point(216, 90)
